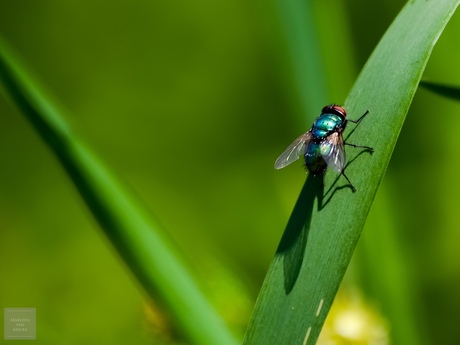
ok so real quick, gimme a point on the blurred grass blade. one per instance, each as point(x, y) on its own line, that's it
point(392, 283)
point(126, 223)
point(448, 91)
point(386, 87)
point(304, 54)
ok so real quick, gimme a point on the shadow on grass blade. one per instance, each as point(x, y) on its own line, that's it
point(294, 240)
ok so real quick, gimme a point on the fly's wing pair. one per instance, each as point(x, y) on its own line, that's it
point(292, 153)
point(333, 152)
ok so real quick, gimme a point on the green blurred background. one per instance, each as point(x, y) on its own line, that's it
point(191, 103)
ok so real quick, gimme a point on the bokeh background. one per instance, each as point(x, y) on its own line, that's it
point(191, 103)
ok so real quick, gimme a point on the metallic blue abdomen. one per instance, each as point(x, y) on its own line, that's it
point(325, 124)
point(314, 160)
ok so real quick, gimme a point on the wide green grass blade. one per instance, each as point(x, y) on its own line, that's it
point(321, 235)
point(134, 233)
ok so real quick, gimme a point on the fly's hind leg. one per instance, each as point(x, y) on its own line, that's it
point(353, 189)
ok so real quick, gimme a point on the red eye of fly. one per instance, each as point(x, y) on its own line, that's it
point(334, 109)
point(339, 110)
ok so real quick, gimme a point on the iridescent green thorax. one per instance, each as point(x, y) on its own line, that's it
point(325, 124)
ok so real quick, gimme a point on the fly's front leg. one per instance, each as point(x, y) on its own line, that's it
point(362, 116)
point(360, 146)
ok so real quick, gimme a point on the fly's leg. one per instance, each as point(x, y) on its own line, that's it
point(357, 146)
point(362, 116)
point(360, 146)
point(357, 122)
point(353, 189)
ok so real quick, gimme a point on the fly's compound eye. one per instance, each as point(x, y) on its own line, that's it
point(338, 109)
point(334, 109)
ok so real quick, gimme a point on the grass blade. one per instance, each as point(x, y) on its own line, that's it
point(303, 52)
point(286, 314)
point(449, 91)
point(127, 224)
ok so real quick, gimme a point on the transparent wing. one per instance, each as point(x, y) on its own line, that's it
point(292, 153)
point(333, 152)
